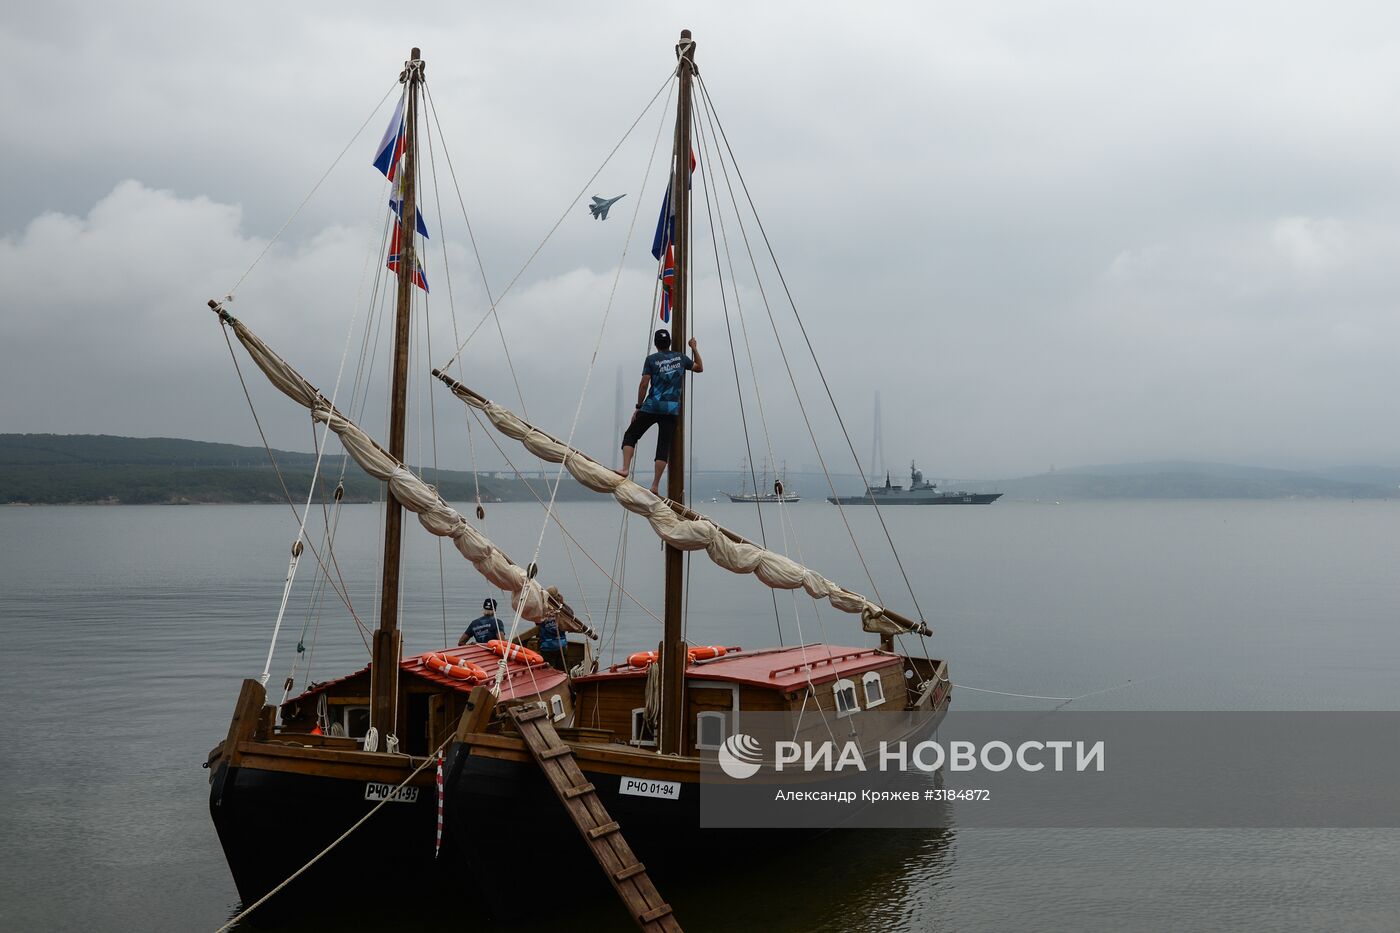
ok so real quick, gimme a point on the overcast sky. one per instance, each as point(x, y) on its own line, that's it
point(1046, 233)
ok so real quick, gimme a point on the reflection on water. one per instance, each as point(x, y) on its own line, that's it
point(124, 633)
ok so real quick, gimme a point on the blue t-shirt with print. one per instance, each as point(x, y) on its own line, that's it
point(551, 639)
point(484, 628)
point(667, 371)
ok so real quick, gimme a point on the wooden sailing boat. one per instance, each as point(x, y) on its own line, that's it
point(762, 492)
point(282, 792)
point(617, 732)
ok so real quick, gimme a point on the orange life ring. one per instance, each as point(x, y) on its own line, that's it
point(646, 659)
point(462, 670)
point(709, 652)
point(505, 649)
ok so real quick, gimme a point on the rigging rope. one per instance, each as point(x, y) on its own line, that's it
point(733, 356)
point(578, 410)
point(709, 111)
point(564, 529)
point(485, 284)
point(331, 521)
point(493, 312)
point(423, 340)
point(432, 160)
point(286, 493)
point(565, 214)
point(305, 515)
point(624, 526)
point(311, 193)
point(709, 108)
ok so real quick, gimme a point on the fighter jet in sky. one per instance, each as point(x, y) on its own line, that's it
point(599, 207)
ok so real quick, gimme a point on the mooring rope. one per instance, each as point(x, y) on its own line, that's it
point(1062, 700)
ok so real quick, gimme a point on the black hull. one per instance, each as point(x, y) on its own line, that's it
point(271, 823)
point(511, 804)
point(979, 498)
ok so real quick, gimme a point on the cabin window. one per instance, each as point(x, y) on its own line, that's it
point(556, 707)
point(356, 719)
point(846, 702)
point(642, 733)
point(709, 730)
point(874, 689)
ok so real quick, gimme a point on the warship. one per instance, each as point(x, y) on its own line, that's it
point(920, 492)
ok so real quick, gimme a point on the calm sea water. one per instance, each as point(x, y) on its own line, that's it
point(124, 632)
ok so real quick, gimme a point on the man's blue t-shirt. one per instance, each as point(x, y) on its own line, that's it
point(484, 628)
point(667, 372)
point(551, 639)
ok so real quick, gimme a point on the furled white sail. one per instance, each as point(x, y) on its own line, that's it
point(533, 601)
point(726, 549)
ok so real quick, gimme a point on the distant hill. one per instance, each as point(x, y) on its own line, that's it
point(1183, 479)
point(98, 468)
point(1376, 476)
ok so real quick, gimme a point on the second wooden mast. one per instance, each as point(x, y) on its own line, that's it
point(673, 648)
point(388, 640)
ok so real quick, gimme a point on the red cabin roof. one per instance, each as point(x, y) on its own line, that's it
point(522, 679)
point(783, 669)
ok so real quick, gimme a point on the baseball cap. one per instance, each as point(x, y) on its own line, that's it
point(488, 603)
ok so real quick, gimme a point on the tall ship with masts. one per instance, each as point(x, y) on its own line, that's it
point(477, 758)
point(295, 782)
point(650, 718)
point(778, 491)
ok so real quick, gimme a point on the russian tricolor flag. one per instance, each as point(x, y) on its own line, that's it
point(665, 227)
point(390, 149)
point(666, 223)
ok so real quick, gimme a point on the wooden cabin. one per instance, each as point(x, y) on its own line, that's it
point(430, 702)
point(836, 680)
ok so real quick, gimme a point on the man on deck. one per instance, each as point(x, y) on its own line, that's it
point(659, 402)
point(484, 627)
point(554, 644)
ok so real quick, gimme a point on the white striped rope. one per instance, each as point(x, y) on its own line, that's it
point(1032, 696)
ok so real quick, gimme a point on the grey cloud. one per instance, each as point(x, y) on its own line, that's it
point(1085, 233)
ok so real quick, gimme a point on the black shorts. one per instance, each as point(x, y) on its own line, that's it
point(665, 430)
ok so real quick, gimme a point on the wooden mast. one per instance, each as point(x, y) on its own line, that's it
point(388, 640)
point(673, 648)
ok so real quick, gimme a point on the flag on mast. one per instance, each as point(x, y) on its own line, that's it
point(668, 282)
point(386, 157)
point(396, 205)
point(419, 278)
point(666, 223)
point(665, 227)
point(663, 247)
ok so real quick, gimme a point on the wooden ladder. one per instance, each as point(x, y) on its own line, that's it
point(600, 831)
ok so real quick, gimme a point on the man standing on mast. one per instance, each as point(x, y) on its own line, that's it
point(659, 402)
